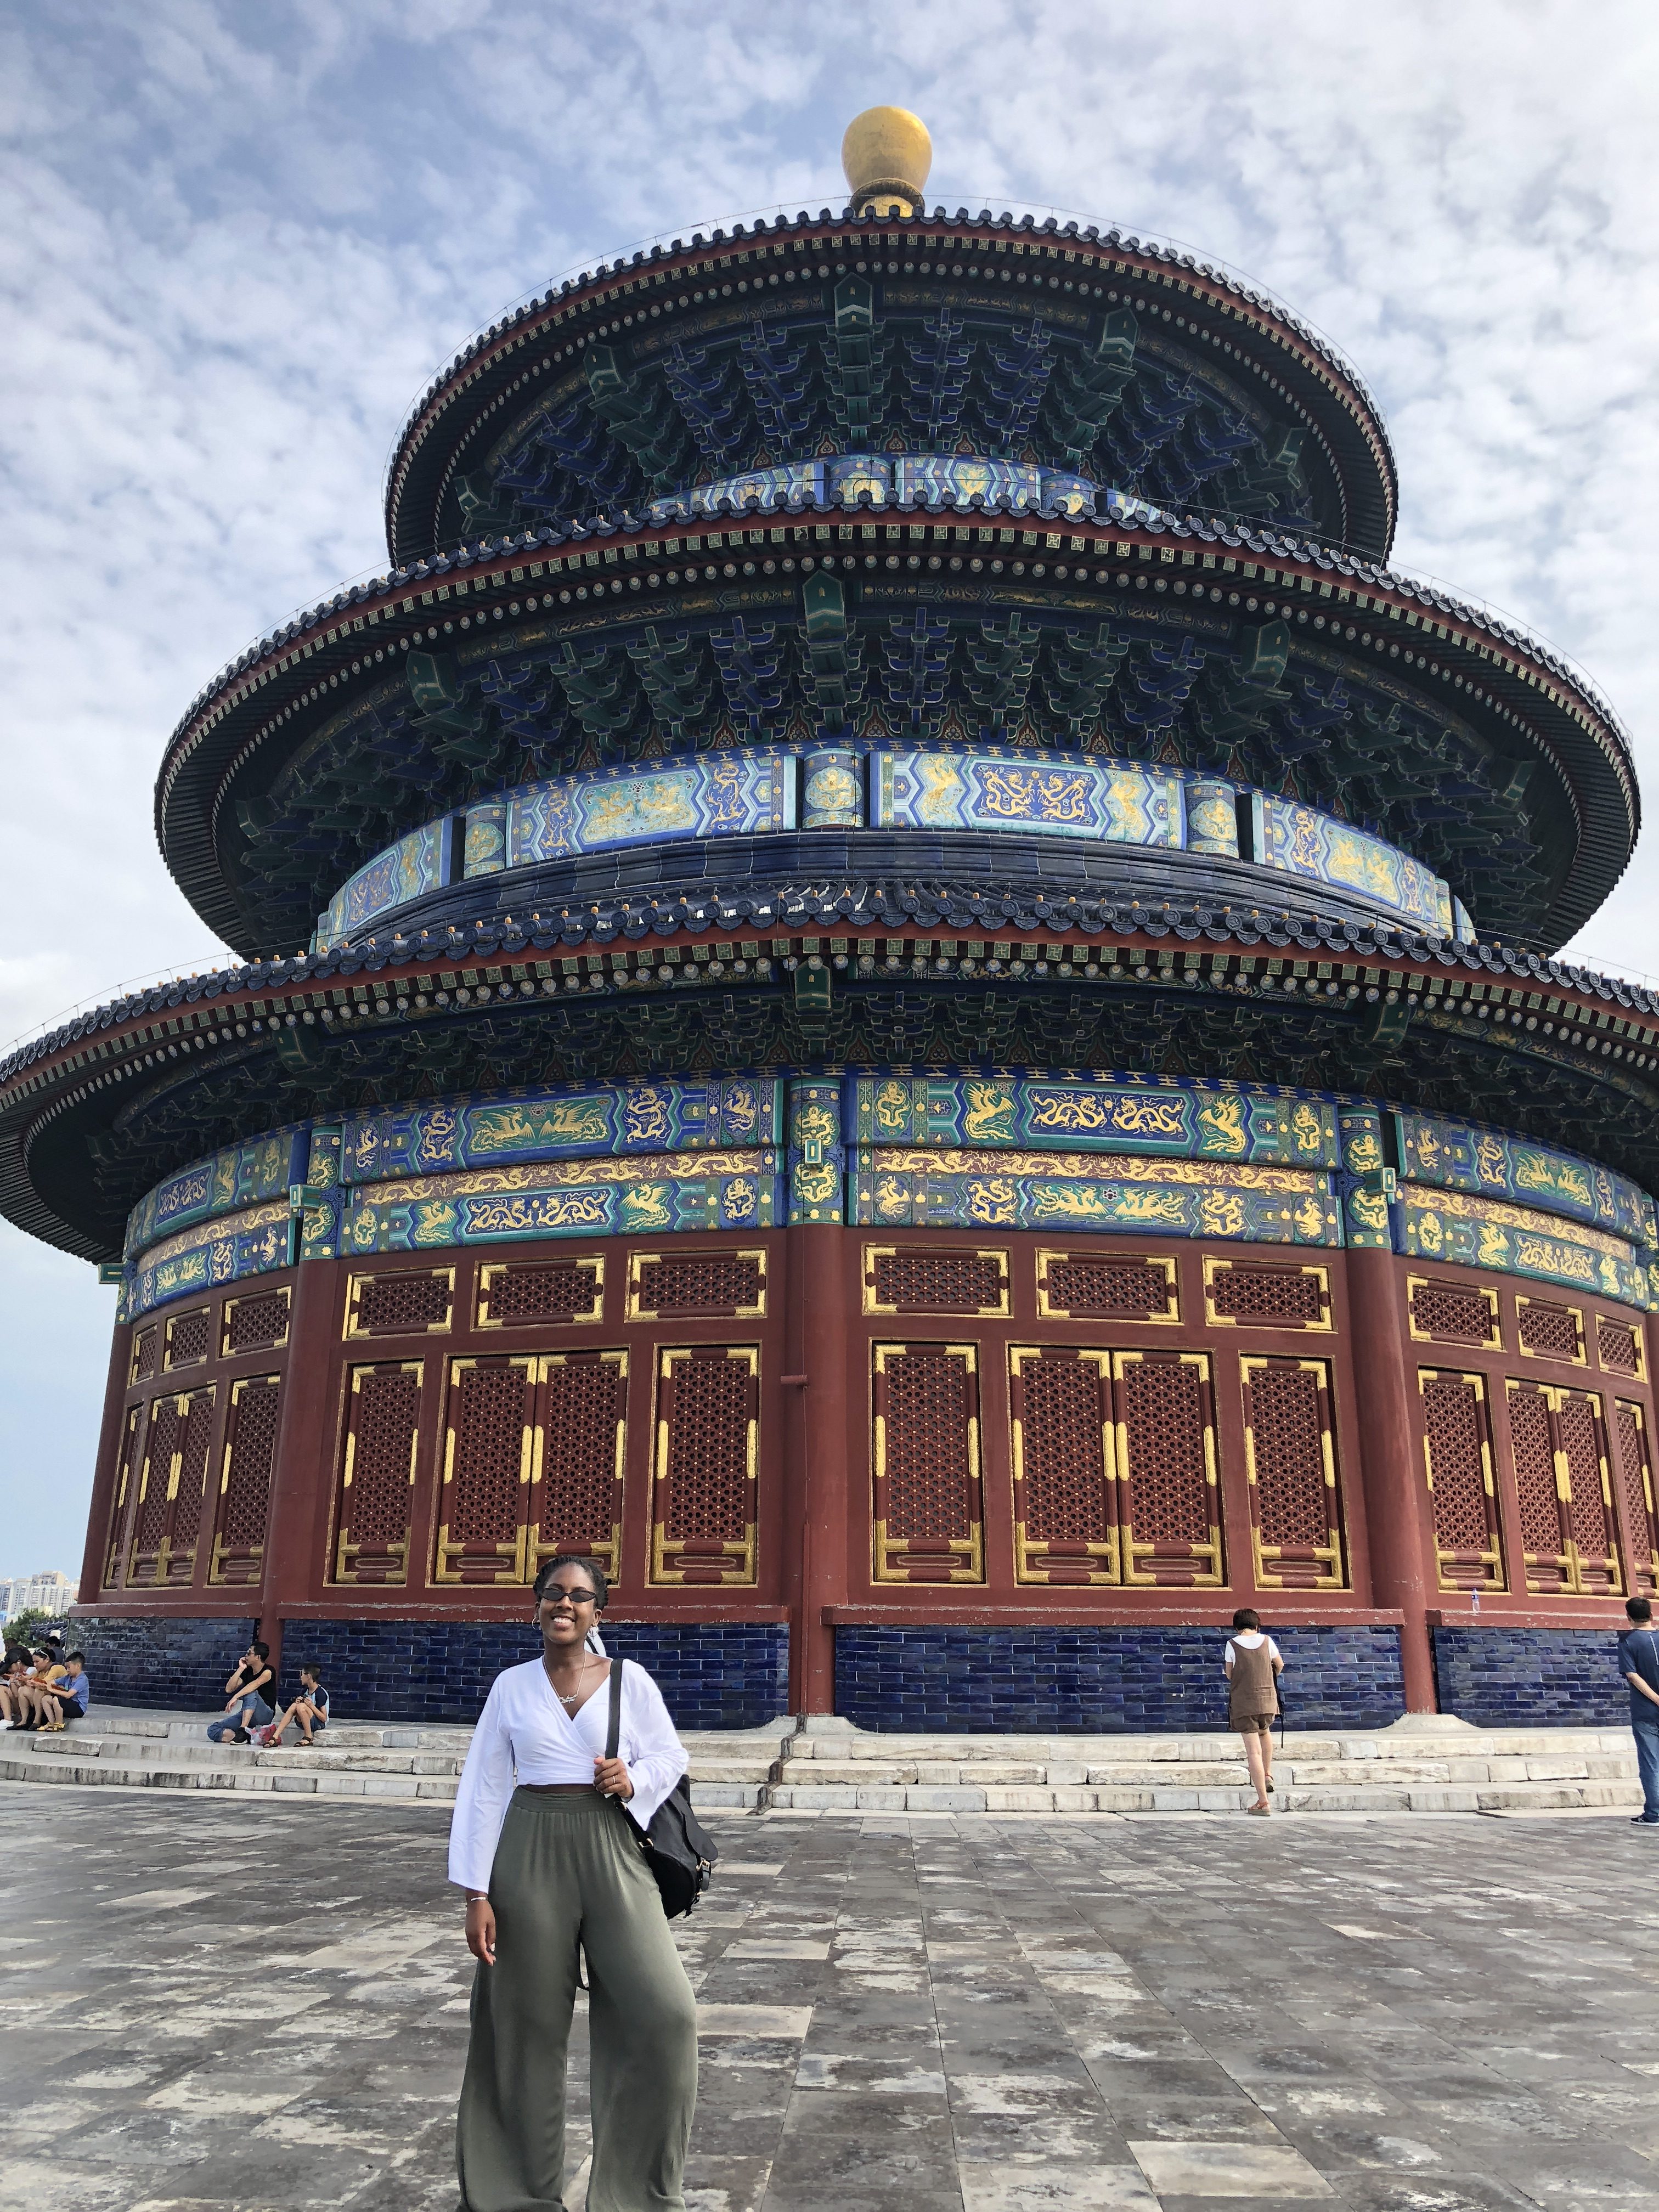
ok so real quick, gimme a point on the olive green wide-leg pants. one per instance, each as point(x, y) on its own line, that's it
point(567, 1872)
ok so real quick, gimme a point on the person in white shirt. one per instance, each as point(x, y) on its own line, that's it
point(551, 1867)
point(1253, 1666)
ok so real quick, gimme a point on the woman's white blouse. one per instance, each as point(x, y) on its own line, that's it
point(525, 1735)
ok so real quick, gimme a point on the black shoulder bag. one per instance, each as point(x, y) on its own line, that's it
point(679, 1853)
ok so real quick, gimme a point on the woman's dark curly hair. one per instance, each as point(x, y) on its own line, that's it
point(591, 1568)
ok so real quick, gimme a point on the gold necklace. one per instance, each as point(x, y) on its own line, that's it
point(575, 1693)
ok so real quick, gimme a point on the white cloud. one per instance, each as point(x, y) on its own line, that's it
point(235, 242)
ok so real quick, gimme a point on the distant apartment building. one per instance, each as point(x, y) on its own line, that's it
point(47, 1593)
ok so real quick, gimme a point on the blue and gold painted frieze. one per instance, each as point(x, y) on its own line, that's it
point(730, 794)
point(1301, 843)
point(1515, 1240)
point(251, 1242)
point(970, 1190)
point(1139, 1114)
point(1454, 1156)
point(262, 1168)
point(658, 1194)
point(903, 480)
point(930, 786)
point(418, 863)
point(560, 1123)
point(1095, 1150)
point(1048, 795)
point(816, 1162)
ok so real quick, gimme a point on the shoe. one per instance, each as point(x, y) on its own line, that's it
point(1644, 1820)
point(240, 1736)
point(1270, 1789)
point(1262, 1810)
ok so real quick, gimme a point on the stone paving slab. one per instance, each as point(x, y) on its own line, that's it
point(256, 2005)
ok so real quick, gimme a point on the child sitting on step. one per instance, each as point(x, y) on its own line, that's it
point(310, 1708)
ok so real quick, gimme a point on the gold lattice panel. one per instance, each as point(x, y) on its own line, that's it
point(1458, 1465)
point(1290, 1457)
point(379, 1456)
point(1164, 1404)
point(705, 1465)
point(1269, 1294)
point(928, 1517)
point(1063, 1452)
point(1096, 1285)
point(903, 1279)
point(1547, 1328)
point(541, 1293)
point(697, 1286)
point(1439, 1312)
point(400, 1301)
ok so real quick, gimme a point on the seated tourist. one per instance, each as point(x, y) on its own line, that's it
point(248, 1692)
point(36, 1681)
point(70, 1694)
point(309, 1709)
point(14, 1681)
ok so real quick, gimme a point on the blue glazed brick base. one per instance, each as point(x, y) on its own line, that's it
point(173, 1664)
point(1531, 1677)
point(712, 1675)
point(1108, 1681)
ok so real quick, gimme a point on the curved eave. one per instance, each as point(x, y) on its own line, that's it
point(1514, 1012)
point(1301, 368)
point(261, 706)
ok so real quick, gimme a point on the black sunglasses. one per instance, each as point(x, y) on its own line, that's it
point(576, 1597)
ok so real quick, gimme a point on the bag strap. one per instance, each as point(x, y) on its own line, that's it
point(613, 1726)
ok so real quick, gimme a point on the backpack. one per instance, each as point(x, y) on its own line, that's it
point(678, 1851)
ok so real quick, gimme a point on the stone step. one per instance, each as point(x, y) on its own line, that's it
point(1422, 1798)
point(1426, 1765)
point(1180, 1750)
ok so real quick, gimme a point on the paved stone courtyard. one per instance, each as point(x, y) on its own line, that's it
point(264, 2005)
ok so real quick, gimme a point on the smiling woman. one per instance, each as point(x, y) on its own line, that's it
point(553, 1868)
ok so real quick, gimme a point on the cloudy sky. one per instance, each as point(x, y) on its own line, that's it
point(234, 242)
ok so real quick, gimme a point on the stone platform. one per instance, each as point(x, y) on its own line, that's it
point(1424, 1763)
point(253, 2003)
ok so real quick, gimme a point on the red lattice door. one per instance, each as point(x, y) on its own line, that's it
point(1165, 1406)
point(576, 1490)
point(126, 1498)
point(1457, 1456)
point(1581, 1443)
point(705, 1465)
point(490, 1455)
point(1633, 1465)
point(1564, 1490)
point(247, 1464)
point(929, 1515)
point(1064, 1471)
point(1290, 1451)
point(163, 1553)
point(377, 1473)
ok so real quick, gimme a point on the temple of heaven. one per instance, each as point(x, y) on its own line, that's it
point(892, 979)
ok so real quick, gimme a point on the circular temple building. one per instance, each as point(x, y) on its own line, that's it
point(892, 980)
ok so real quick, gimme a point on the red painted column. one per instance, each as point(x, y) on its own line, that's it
point(104, 1474)
point(818, 1266)
point(293, 1566)
point(1396, 1495)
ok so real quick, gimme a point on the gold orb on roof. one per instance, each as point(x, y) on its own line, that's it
point(886, 155)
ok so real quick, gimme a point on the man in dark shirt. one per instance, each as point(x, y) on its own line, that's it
point(1638, 1662)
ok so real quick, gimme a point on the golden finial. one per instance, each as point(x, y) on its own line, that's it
point(886, 155)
